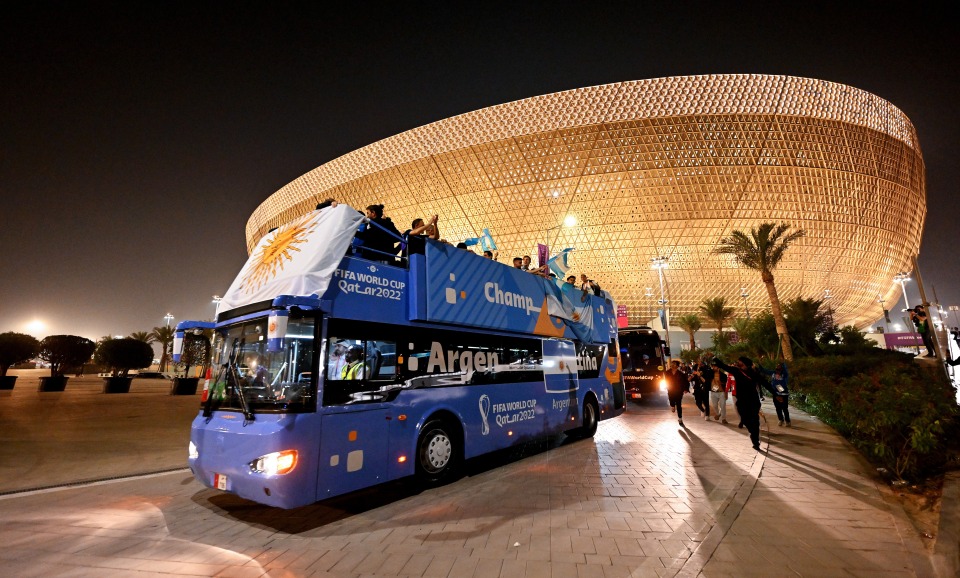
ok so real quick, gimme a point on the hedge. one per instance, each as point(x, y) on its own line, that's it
point(900, 414)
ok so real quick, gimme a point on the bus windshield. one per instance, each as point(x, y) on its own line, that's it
point(640, 351)
point(270, 381)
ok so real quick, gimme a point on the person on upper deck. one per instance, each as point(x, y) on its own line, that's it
point(379, 244)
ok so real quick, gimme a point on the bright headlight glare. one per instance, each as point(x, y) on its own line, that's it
point(276, 463)
point(192, 452)
point(663, 385)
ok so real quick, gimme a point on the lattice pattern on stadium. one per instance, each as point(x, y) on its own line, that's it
point(655, 167)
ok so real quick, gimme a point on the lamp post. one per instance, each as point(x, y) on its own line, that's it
point(902, 278)
point(568, 221)
point(660, 263)
point(744, 294)
point(649, 296)
point(168, 318)
point(883, 313)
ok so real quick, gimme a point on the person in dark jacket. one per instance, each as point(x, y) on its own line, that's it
point(676, 386)
point(380, 236)
point(780, 391)
point(748, 395)
point(701, 388)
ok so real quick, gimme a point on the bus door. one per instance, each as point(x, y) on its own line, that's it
point(353, 449)
point(353, 438)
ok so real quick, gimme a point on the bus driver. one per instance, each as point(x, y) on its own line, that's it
point(355, 368)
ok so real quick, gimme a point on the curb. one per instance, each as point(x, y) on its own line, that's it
point(946, 551)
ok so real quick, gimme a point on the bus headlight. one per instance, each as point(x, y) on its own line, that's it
point(276, 463)
point(192, 452)
point(663, 385)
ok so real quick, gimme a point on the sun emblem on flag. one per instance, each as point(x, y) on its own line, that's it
point(271, 257)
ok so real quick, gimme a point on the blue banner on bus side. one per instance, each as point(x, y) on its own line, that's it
point(467, 289)
point(362, 289)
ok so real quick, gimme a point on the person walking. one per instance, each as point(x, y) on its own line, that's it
point(748, 396)
point(731, 388)
point(715, 382)
point(701, 389)
point(780, 392)
point(676, 386)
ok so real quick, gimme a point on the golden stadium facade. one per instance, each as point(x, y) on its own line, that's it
point(656, 167)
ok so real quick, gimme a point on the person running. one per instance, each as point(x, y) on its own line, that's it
point(748, 396)
point(676, 387)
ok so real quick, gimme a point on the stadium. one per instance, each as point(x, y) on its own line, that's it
point(666, 167)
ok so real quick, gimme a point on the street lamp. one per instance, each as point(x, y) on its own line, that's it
point(168, 318)
point(883, 312)
point(744, 294)
point(649, 296)
point(902, 278)
point(660, 263)
point(216, 304)
point(568, 221)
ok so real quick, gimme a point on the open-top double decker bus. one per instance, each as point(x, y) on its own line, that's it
point(334, 373)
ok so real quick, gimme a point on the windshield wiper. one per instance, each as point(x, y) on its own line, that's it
point(238, 383)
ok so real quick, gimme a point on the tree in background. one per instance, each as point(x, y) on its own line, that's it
point(163, 336)
point(65, 351)
point(716, 311)
point(144, 336)
point(806, 321)
point(691, 324)
point(16, 348)
point(761, 250)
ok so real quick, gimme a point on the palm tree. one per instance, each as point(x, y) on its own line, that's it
point(163, 336)
point(144, 336)
point(717, 312)
point(761, 251)
point(691, 324)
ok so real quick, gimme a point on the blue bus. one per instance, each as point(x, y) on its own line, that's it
point(334, 372)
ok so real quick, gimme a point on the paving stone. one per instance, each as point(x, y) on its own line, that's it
point(642, 498)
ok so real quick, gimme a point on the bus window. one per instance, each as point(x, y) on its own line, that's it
point(353, 367)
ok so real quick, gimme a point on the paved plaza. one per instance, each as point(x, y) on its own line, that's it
point(643, 498)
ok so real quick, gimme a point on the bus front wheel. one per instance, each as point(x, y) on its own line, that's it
point(438, 452)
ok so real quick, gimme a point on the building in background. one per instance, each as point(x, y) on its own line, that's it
point(662, 167)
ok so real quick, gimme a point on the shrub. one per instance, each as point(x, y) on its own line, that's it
point(122, 355)
point(14, 348)
point(63, 351)
point(900, 414)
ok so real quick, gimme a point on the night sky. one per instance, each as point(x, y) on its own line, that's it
point(137, 138)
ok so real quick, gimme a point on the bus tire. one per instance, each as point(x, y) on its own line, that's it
point(591, 417)
point(438, 452)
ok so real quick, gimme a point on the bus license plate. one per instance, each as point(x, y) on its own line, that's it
point(220, 481)
point(635, 395)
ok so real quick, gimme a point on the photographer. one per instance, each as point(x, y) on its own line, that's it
point(920, 320)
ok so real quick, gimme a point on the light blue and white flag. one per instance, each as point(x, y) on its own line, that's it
point(559, 264)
